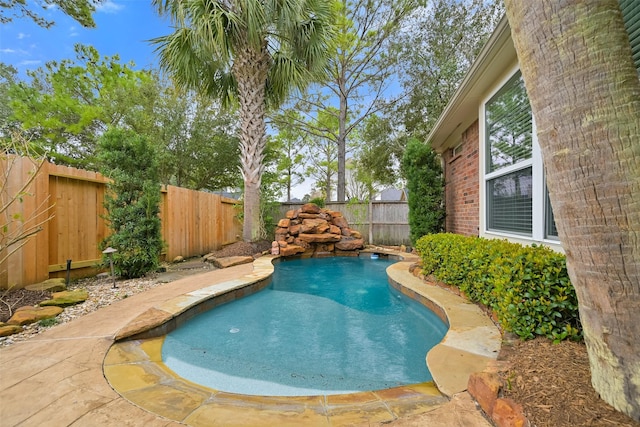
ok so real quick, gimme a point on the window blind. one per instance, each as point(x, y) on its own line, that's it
point(509, 202)
point(508, 125)
point(631, 14)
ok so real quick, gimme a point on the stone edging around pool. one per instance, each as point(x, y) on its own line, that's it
point(164, 318)
point(471, 342)
point(133, 366)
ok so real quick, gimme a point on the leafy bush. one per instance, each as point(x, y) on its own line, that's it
point(132, 202)
point(527, 286)
point(319, 201)
point(421, 167)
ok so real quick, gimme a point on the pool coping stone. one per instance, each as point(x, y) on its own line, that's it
point(58, 378)
point(134, 368)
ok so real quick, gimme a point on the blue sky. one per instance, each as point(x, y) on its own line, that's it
point(122, 27)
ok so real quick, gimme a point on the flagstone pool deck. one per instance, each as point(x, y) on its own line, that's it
point(105, 369)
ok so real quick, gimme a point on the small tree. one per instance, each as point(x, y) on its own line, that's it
point(132, 202)
point(423, 172)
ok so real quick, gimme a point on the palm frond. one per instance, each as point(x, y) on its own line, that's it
point(286, 74)
point(210, 35)
point(254, 18)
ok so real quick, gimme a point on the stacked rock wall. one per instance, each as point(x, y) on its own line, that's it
point(312, 231)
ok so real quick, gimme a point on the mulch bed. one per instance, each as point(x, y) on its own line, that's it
point(553, 384)
point(243, 249)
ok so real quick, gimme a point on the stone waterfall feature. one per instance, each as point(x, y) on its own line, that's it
point(313, 232)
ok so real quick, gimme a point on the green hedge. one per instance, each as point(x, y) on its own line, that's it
point(527, 286)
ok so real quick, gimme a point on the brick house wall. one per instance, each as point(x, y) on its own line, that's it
point(462, 185)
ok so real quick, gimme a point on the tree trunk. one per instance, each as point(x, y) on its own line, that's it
point(289, 183)
point(250, 70)
point(327, 186)
point(370, 216)
point(342, 142)
point(584, 91)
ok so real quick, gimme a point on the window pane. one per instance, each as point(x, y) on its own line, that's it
point(508, 125)
point(631, 14)
point(509, 202)
point(550, 229)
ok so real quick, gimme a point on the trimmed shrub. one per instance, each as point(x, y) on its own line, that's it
point(423, 171)
point(132, 202)
point(528, 287)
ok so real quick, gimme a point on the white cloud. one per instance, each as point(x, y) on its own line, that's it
point(29, 63)
point(109, 6)
point(23, 36)
point(16, 51)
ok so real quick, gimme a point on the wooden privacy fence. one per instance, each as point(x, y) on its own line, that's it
point(389, 220)
point(193, 222)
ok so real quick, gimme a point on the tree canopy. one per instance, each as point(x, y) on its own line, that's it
point(361, 67)
point(80, 10)
point(67, 105)
point(437, 47)
point(250, 52)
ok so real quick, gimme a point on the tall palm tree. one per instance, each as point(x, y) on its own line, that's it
point(578, 69)
point(249, 52)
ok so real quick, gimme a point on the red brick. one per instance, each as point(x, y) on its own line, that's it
point(462, 185)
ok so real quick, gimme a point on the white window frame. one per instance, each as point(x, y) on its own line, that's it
point(457, 150)
point(537, 176)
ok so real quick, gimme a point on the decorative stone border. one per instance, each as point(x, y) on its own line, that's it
point(472, 341)
point(165, 317)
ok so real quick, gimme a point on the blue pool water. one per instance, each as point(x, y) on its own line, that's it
point(323, 326)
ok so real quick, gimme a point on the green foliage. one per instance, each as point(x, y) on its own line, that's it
point(47, 323)
point(252, 52)
point(527, 286)
point(322, 158)
point(197, 141)
point(375, 158)
point(67, 105)
point(358, 211)
point(423, 172)
point(270, 190)
point(360, 69)
point(80, 10)
point(8, 75)
point(289, 145)
point(318, 201)
point(132, 202)
point(446, 38)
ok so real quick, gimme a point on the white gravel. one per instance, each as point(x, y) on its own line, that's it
point(101, 294)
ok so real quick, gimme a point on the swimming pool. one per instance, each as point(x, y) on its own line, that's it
point(323, 326)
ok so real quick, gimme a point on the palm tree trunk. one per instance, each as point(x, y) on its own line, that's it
point(585, 95)
point(250, 70)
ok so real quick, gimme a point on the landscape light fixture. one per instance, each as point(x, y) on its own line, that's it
point(109, 252)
